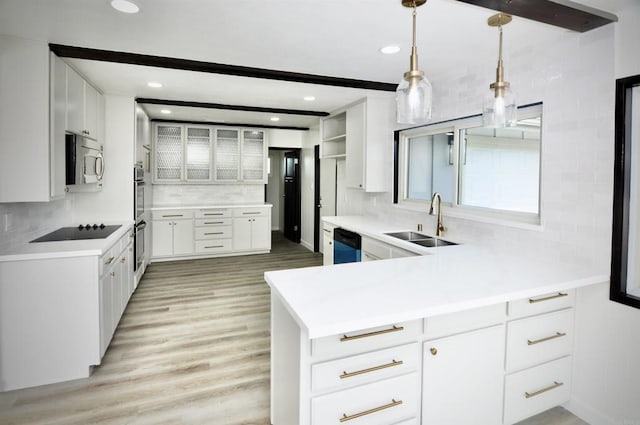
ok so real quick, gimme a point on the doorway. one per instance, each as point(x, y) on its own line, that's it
point(283, 192)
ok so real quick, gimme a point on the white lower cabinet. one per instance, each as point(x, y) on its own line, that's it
point(327, 244)
point(172, 233)
point(463, 378)
point(251, 229)
point(380, 403)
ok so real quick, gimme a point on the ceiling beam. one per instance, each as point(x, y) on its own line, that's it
point(228, 124)
point(243, 108)
point(214, 68)
point(561, 13)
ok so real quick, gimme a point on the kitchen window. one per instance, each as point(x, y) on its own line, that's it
point(483, 173)
point(625, 241)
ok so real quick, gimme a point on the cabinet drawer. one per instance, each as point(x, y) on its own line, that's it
point(364, 368)
point(381, 403)
point(539, 339)
point(214, 213)
point(213, 232)
point(171, 214)
point(537, 389)
point(250, 212)
point(213, 246)
point(453, 323)
point(376, 250)
point(200, 222)
point(541, 304)
point(365, 340)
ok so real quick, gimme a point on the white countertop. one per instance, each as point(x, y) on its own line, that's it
point(205, 206)
point(23, 250)
point(348, 297)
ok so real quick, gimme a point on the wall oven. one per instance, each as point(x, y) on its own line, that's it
point(138, 216)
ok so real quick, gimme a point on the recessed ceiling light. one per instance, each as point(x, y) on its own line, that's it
point(275, 119)
point(154, 84)
point(309, 98)
point(125, 6)
point(165, 111)
point(389, 50)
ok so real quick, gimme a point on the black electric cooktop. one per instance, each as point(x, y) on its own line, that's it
point(89, 231)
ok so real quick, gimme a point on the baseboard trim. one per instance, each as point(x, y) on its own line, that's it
point(587, 413)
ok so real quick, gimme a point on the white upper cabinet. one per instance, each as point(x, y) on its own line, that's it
point(227, 163)
point(82, 106)
point(207, 154)
point(362, 134)
point(31, 141)
point(253, 156)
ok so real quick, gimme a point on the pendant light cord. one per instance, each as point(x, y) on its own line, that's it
point(414, 50)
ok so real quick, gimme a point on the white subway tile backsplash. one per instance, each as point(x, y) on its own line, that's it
point(169, 195)
point(30, 220)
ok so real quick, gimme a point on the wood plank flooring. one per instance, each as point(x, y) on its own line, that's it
point(191, 348)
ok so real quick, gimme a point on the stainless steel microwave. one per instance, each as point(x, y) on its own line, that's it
point(84, 164)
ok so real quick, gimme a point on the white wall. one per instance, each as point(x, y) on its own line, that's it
point(607, 346)
point(115, 202)
point(278, 138)
point(275, 189)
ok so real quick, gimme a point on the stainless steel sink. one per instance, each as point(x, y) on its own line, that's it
point(409, 236)
point(420, 239)
point(432, 243)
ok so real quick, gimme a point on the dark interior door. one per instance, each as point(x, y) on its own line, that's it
point(292, 196)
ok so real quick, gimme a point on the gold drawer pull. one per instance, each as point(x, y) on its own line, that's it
point(210, 214)
point(251, 212)
point(214, 222)
point(550, 297)
point(371, 369)
point(393, 403)
point(172, 215)
point(214, 233)
point(109, 261)
point(555, 385)
point(368, 334)
point(538, 341)
point(214, 246)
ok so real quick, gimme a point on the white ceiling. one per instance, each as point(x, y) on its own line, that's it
point(338, 38)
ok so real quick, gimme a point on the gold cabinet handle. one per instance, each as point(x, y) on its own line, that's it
point(214, 246)
point(433, 351)
point(214, 233)
point(251, 212)
point(371, 369)
point(109, 261)
point(214, 222)
point(555, 385)
point(538, 341)
point(550, 297)
point(368, 334)
point(210, 214)
point(123, 259)
point(172, 215)
point(393, 403)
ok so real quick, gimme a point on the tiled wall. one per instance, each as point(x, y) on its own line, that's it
point(30, 220)
point(574, 77)
point(177, 194)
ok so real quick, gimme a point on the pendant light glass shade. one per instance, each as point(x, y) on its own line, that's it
point(500, 109)
point(414, 94)
point(413, 99)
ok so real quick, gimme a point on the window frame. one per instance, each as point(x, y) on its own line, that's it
point(455, 209)
point(621, 192)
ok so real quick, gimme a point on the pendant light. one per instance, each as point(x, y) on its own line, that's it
point(500, 108)
point(413, 95)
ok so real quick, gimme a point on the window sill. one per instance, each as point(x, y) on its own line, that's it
point(488, 217)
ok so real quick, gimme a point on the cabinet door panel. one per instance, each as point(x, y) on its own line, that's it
point(183, 237)
point(162, 244)
point(168, 153)
point(91, 111)
point(75, 102)
point(261, 233)
point(198, 154)
point(241, 234)
point(355, 145)
point(463, 378)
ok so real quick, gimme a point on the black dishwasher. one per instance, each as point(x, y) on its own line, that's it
point(346, 246)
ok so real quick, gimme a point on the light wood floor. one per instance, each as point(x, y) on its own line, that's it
point(191, 348)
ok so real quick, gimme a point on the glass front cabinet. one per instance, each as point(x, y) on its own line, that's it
point(206, 154)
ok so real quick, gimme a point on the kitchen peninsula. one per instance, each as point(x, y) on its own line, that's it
point(494, 331)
